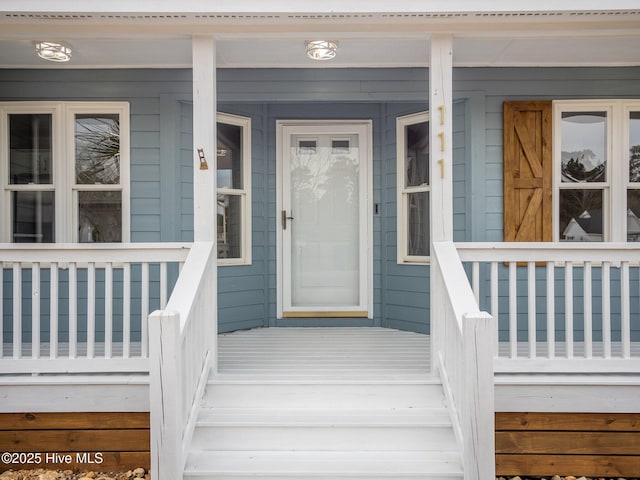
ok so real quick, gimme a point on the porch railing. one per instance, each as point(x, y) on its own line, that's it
point(82, 307)
point(182, 350)
point(557, 303)
point(462, 341)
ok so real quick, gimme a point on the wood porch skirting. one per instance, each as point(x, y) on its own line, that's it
point(68, 441)
point(580, 444)
point(590, 444)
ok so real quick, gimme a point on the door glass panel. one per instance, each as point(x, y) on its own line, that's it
point(100, 217)
point(306, 147)
point(416, 154)
point(581, 216)
point(584, 147)
point(325, 230)
point(229, 156)
point(339, 146)
point(30, 149)
point(33, 217)
point(97, 138)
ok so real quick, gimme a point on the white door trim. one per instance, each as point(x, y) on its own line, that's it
point(362, 127)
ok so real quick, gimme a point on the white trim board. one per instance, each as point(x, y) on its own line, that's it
point(81, 393)
point(519, 393)
point(305, 6)
point(567, 393)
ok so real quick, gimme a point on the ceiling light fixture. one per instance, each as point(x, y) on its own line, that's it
point(54, 52)
point(321, 49)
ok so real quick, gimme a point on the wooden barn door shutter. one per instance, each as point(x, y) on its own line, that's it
point(528, 189)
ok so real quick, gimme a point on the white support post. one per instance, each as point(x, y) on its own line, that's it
point(441, 167)
point(478, 428)
point(205, 145)
point(165, 395)
point(204, 138)
point(441, 137)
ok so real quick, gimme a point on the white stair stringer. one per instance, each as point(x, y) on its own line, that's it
point(321, 429)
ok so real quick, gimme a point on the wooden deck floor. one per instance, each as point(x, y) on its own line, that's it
point(323, 352)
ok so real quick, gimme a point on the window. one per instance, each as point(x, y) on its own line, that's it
point(632, 136)
point(412, 133)
point(64, 172)
point(596, 170)
point(233, 189)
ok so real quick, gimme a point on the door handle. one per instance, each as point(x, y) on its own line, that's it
point(284, 219)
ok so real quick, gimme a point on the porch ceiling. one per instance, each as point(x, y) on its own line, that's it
point(353, 52)
point(366, 39)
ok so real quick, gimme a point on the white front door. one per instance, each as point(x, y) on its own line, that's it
point(324, 220)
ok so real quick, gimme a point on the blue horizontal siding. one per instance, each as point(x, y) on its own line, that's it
point(162, 157)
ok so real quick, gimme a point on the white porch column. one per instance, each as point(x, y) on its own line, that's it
point(441, 136)
point(205, 149)
point(204, 138)
point(441, 164)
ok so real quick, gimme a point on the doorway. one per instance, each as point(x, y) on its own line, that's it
point(324, 219)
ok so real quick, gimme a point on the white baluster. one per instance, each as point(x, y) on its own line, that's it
point(108, 310)
point(588, 315)
point(568, 306)
point(531, 306)
point(551, 310)
point(606, 309)
point(513, 310)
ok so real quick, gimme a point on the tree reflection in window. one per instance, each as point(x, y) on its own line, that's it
point(584, 144)
point(97, 156)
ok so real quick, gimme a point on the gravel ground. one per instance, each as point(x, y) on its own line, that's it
point(139, 473)
point(41, 474)
point(570, 477)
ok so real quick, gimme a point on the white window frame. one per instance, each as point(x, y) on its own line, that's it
point(244, 193)
point(614, 202)
point(63, 164)
point(402, 191)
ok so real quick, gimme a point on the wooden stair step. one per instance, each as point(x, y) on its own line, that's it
point(323, 395)
point(301, 417)
point(323, 465)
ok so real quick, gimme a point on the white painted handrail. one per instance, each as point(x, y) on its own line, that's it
point(464, 360)
point(563, 307)
point(182, 342)
point(84, 307)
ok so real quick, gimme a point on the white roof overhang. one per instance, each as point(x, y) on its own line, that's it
point(259, 34)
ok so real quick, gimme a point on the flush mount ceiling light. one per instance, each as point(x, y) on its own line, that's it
point(54, 52)
point(321, 49)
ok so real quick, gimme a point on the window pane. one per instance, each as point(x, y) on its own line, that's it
point(99, 217)
point(418, 227)
point(306, 147)
point(417, 154)
point(30, 149)
point(97, 149)
point(229, 226)
point(581, 216)
point(33, 217)
point(633, 215)
point(584, 146)
point(340, 147)
point(229, 156)
point(634, 147)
